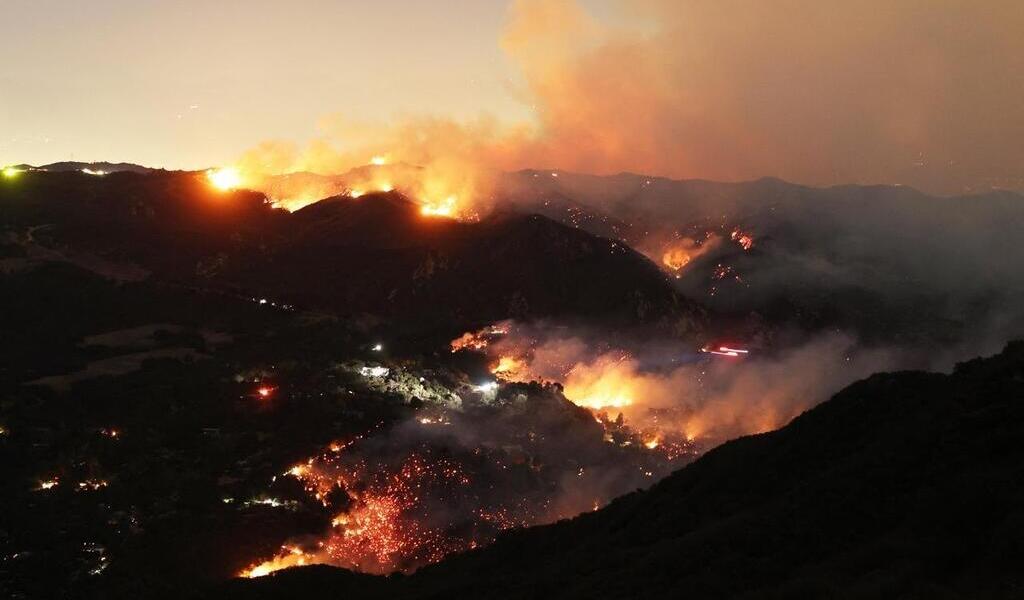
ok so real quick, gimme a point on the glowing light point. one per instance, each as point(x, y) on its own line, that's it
point(265, 391)
point(379, 160)
point(224, 179)
point(11, 172)
point(48, 484)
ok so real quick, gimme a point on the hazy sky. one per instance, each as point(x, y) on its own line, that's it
point(919, 92)
point(188, 83)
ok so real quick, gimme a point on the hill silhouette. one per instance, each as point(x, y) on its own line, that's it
point(375, 255)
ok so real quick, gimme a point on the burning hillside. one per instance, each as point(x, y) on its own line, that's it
point(668, 388)
point(450, 479)
point(440, 189)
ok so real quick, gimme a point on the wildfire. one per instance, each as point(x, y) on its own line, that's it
point(417, 502)
point(385, 526)
point(675, 258)
point(469, 341)
point(11, 172)
point(745, 240)
point(48, 484)
point(606, 383)
point(379, 161)
point(478, 340)
point(446, 208)
point(389, 518)
point(264, 391)
point(682, 251)
point(291, 556)
point(225, 178)
point(508, 366)
point(91, 485)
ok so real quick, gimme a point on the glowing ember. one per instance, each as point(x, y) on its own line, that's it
point(508, 366)
point(722, 271)
point(224, 179)
point(445, 208)
point(469, 341)
point(91, 485)
point(682, 251)
point(97, 173)
point(291, 556)
point(48, 484)
point(264, 391)
point(389, 518)
point(356, 193)
point(608, 382)
point(480, 339)
point(745, 240)
point(676, 258)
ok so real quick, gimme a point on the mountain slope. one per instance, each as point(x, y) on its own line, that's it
point(376, 255)
point(380, 253)
point(903, 485)
point(887, 262)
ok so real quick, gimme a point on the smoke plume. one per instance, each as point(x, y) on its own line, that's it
point(914, 92)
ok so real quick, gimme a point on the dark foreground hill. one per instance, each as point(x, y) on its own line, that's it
point(376, 255)
point(904, 485)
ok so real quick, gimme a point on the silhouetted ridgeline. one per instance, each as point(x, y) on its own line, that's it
point(373, 255)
